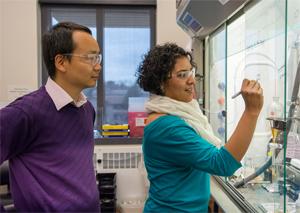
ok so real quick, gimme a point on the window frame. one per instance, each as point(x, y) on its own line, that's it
point(100, 6)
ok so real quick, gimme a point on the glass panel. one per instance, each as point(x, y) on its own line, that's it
point(235, 62)
point(217, 73)
point(263, 44)
point(293, 107)
point(256, 50)
point(126, 39)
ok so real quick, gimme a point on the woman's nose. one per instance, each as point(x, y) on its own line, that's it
point(191, 79)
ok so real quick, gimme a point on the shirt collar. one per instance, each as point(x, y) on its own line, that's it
point(60, 97)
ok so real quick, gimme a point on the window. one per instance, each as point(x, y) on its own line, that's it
point(126, 38)
point(125, 34)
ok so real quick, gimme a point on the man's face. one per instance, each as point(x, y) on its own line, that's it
point(81, 72)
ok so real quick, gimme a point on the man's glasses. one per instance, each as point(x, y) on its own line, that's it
point(185, 74)
point(93, 59)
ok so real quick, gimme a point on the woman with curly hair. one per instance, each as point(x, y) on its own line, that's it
point(179, 147)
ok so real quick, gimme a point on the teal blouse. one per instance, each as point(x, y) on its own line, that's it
point(178, 162)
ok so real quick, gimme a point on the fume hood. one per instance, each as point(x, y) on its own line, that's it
point(200, 17)
point(261, 41)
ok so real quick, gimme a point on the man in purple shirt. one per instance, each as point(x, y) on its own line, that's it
point(47, 135)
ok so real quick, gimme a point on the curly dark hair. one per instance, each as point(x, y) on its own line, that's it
point(157, 64)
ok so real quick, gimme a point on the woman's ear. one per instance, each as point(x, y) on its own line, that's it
point(60, 63)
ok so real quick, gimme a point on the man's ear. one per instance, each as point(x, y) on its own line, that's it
point(60, 63)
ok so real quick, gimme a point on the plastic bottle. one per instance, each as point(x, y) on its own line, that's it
point(276, 108)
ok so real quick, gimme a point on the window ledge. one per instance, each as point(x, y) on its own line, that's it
point(118, 141)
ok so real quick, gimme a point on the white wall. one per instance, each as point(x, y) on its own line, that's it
point(167, 29)
point(18, 48)
point(20, 43)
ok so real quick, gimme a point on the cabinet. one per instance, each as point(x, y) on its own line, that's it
point(261, 42)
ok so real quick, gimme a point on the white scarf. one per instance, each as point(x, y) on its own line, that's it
point(189, 112)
